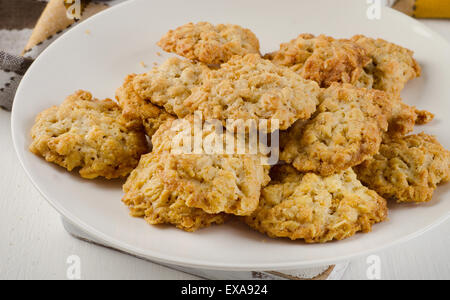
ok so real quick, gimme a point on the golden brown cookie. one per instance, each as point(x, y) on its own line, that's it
point(148, 195)
point(245, 88)
point(325, 60)
point(138, 111)
point(407, 169)
point(402, 118)
point(358, 62)
point(88, 134)
point(210, 44)
point(346, 129)
point(204, 177)
point(315, 208)
point(392, 65)
point(170, 84)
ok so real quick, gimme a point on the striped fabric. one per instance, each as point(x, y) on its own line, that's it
point(27, 27)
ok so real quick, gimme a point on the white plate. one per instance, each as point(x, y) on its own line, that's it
point(97, 54)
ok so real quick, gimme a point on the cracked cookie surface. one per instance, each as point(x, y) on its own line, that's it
point(147, 195)
point(315, 208)
point(325, 60)
point(210, 44)
point(392, 65)
point(362, 62)
point(205, 178)
point(346, 129)
point(138, 111)
point(407, 169)
point(89, 134)
point(248, 87)
point(170, 84)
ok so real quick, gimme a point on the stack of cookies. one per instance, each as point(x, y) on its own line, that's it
point(344, 148)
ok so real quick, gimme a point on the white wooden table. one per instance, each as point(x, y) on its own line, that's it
point(34, 245)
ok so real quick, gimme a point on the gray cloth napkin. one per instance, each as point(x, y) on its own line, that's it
point(18, 65)
point(16, 18)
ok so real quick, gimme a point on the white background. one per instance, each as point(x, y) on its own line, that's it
point(34, 245)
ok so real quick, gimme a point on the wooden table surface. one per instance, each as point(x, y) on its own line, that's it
point(34, 244)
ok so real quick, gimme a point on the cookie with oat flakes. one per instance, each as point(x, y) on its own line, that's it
point(209, 177)
point(138, 111)
point(244, 88)
point(325, 60)
point(407, 169)
point(89, 134)
point(346, 129)
point(314, 208)
point(210, 44)
point(392, 66)
point(148, 195)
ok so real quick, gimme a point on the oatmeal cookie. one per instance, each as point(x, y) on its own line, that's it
point(88, 134)
point(402, 118)
point(325, 60)
point(138, 111)
point(170, 84)
point(315, 208)
point(346, 130)
point(407, 169)
point(423, 117)
point(206, 178)
point(245, 88)
point(360, 61)
point(210, 44)
point(392, 65)
point(250, 87)
point(148, 195)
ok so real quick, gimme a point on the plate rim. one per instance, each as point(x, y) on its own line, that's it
point(159, 257)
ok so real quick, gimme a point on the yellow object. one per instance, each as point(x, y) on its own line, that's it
point(432, 9)
point(424, 8)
